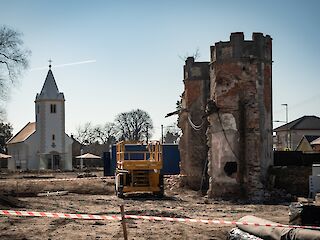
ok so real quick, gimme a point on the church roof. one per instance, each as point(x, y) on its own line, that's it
point(23, 134)
point(50, 89)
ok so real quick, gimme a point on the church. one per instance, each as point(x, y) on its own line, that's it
point(43, 144)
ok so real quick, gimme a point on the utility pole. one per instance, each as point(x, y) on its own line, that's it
point(81, 159)
point(147, 134)
point(288, 135)
point(161, 134)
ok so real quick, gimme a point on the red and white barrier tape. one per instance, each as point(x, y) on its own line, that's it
point(150, 218)
point(220, 222)
point(52, 179)
point(58, 215)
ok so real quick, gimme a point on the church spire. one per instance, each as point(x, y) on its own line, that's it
point(50, 61)
point(50, 89)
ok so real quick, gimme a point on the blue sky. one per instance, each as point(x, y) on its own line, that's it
point(135, 48)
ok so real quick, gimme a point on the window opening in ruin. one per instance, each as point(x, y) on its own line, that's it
point(230, 168)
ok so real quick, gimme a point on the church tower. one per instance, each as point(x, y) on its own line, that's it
point(50, 125)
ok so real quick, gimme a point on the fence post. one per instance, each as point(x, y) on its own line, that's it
point(123, 222)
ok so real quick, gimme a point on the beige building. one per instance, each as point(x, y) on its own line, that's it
point(288, 136)
point(305, 144)
point(43, 144)
point(316, 145)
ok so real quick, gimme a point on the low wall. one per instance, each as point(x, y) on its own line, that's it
point(24, 187)
point(293, 179)
point(295, 158)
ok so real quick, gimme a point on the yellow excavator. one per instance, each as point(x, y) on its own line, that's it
point(138, 168)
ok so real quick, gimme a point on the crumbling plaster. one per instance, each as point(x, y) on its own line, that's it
point(237, 137)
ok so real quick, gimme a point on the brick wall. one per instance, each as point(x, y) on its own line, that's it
point(192, 145)
point(240, 133)
point(234, 93)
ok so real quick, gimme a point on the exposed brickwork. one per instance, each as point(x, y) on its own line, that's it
point(192, 145)
point(241, 88)
point(239, 134)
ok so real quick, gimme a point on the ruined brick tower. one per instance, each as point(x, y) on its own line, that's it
point(226, 118)
point(240, 116)
point(193, 143)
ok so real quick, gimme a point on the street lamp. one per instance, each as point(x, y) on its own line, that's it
point(286, 106)
point(161, 134)
point(81, 159)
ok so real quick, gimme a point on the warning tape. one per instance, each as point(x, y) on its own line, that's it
point(192, 220)
point(150, 218)
point(52, 179)
point(58, 215)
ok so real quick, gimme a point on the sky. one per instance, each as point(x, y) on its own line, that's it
point(129, 54)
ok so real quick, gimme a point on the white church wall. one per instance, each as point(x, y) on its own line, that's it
point(12, 160)
point(54, 125)
point(33, 151)
point(68, 155)
point(19, 152)
point(42, 162)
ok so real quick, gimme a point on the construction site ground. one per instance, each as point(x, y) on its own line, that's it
point(96, 196)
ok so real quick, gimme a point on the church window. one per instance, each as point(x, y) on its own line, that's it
point(53, 108)
point(38, 108)
point(53, 137)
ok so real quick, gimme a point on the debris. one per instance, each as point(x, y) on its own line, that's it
point(57, 193)
point(86, 175)
point(304, 213)
point(238, 234)
point(38, 176)
point(276, 233)
point(317, 199)
point(11, 202)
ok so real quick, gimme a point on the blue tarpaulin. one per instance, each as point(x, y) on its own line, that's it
point(171, 158)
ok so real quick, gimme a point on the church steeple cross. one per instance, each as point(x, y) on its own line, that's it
point(50, 61)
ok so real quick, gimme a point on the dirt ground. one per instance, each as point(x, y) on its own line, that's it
point(96, 196)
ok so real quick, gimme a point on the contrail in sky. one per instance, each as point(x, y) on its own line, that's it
point(65, 65)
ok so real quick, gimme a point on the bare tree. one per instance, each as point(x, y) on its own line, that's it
point(195, 55)
point(99, 134)
point(85, 134)
point(13, 59)
point(105, 133)
point(135, 125)
point(2, 111)
point(5, 135)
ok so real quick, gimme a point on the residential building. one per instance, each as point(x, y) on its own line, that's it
point(289, 135)
point(316, 145)
point(305, 144)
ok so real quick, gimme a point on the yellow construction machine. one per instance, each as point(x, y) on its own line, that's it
point(138, 168)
